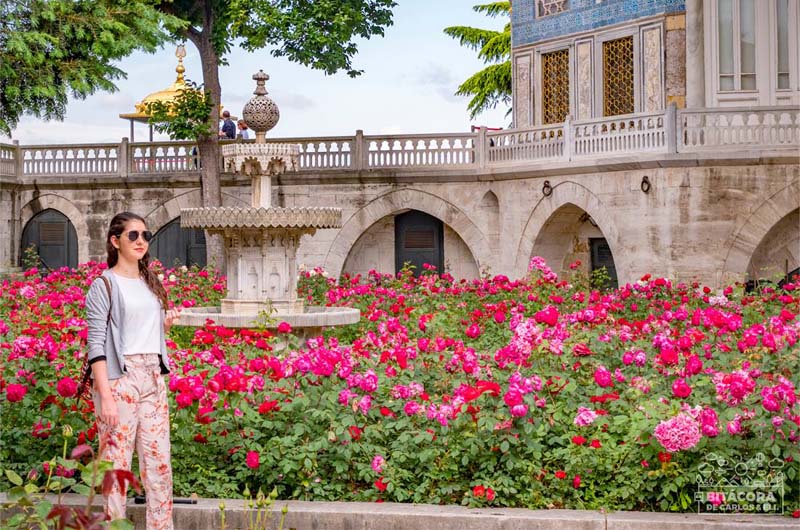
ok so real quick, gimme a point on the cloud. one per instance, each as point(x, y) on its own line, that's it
point(440, 79)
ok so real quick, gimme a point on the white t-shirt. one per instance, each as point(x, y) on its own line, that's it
point(140, 333)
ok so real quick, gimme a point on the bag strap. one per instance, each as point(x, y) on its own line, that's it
point(108, 290)
point(87, 370)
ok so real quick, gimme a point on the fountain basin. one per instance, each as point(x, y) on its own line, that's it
point(309, 322)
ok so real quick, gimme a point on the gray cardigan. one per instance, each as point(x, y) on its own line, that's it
point(105, 341)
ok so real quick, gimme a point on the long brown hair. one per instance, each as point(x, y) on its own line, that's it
point(116, 228)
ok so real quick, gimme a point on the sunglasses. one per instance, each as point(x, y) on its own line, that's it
point(133, 235)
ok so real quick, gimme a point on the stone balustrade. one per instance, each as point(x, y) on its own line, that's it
point(671, 132)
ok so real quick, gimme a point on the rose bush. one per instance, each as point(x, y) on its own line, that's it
point(541, 392)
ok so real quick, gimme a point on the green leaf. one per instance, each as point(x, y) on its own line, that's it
point(43, 508)
point(13, 477)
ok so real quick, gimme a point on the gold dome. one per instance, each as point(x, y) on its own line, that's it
point(168, 94)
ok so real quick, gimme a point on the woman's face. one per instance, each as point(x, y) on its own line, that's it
point(132, 250)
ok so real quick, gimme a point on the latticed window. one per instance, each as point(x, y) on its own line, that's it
point(555, 86)
point(618, 76)
point(551, 7)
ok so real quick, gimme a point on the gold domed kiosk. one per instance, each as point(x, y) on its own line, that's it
point(169, 94)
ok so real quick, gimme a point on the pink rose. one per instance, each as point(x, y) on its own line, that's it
point(603, 377)
point(680, 388)
point(284, 327)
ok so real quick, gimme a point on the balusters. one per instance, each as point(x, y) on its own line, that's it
point(771, 127)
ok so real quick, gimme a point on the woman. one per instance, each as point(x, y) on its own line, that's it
point(128, 357)
point(244, 130)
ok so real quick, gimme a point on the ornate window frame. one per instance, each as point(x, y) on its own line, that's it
point(766, 92)
point(599, 82)
point(537, 78)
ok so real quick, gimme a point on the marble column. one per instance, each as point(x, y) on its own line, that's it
point(695, 55)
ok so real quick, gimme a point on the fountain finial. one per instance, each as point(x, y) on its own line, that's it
point(261, 113)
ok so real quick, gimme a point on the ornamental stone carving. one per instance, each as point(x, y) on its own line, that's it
point(237, 217)
point(261, 113)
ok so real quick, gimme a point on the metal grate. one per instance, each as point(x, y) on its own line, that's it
point(419, 239)
point(618, 76)
point(555, 86)
point(51, 234)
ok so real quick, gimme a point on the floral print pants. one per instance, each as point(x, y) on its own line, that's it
point(141, 398)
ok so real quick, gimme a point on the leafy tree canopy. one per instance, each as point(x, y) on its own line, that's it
point(492, 85)
point(53, 49)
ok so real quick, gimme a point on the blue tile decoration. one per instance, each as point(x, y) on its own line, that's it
point(582, 15)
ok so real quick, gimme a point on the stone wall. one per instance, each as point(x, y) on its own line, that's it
point(696, 222)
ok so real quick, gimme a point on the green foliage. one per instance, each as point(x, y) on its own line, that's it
point(30, 257)
point(317, 34)
point(184, 118)
point(492, 85)
point(51, 50)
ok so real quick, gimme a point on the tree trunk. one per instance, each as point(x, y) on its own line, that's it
point(210, 154)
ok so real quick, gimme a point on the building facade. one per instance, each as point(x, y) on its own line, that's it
point(649, 136)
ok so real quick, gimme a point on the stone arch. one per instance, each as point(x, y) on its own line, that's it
point(754, 229)
point(170, 210)
point(564, 194)
point(68, 209)
point(398, 201)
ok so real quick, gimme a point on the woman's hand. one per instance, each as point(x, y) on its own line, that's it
point(172, 317)
point(108, 411)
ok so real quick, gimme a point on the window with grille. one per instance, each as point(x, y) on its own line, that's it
point(551, 7)
point(618, 77)
point(555, 86)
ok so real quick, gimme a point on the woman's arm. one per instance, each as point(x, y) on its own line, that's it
point(98, 306)
point(108, 413)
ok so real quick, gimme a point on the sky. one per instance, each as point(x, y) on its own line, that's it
point(410, 76)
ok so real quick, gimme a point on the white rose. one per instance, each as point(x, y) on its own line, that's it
point(172, 277)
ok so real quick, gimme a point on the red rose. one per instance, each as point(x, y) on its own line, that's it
point(489, 494)
point(380, 484)
point(478, 491)
point(578, 440)
point(67, 387)
point(560, 474)
point(576, 482)
point(595, 444)
point(284, 327)
point(15, 392)
point(355, 433)
point(252, 459)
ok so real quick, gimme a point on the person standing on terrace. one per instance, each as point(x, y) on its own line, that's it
point(128, 317)
point(228, 130)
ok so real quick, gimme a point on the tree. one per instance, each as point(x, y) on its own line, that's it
point(492, 85)
point(315, 33)
point(53, 49)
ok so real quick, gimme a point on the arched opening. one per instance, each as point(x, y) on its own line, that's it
point(174, 246)
point(489, 209)
point(53, 238)
point(569, 235)
point(777, 256)
point(410, 236)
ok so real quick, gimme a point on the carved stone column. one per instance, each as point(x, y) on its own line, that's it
point(695, 55)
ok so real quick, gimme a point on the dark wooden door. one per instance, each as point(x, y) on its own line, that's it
point(54, 237)
point(601, 257)
point(419, 239)
point(174, 246)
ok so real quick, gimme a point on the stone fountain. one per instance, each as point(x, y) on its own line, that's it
point(261, 241)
